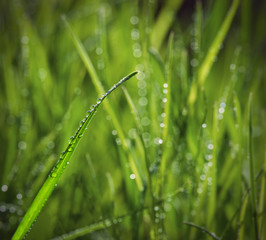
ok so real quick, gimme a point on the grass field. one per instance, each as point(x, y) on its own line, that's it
point(178, 151)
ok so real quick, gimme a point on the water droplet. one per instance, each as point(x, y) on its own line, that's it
point(134, 20)
point(99, 51)
point(210, 146)
point(194, 62)
point(3, 208)
point(135, 34)
point(22, 145)
point(165, 85)
point(162, 125)
point(137, 53)
point(158, 141)
point(165, 91)
point(132, 133)
point(25, 40)
point(141, 84)
point(202, 177)
point(4, 188)
point(232, 67)
point(80, 135)
point(53, 175)
point(164, 100)
point(199, 190)
point(156, 208)
point(19, 196)
point(70, 149)
point(143, 101)
point(67, 162)
point(132, 176)
point(204, 125)
point(145, 121)
point(118, 141)
point(221, 110)
point(114, 132)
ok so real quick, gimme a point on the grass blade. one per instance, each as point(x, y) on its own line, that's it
point(59, 168)
point(100, 89)
point(251, 168)
point(212, 53)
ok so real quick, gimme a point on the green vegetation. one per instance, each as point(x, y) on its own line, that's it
point(177, 153)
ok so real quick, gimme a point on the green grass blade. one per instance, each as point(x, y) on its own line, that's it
point(242, 214)
point(59, 168)
point(251, 168)
point(99, 87)
point(212, 52)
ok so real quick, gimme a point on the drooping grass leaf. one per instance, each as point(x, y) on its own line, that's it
point(50, 183)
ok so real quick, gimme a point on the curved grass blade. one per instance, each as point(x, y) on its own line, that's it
point(59, 168)
point(100, 89)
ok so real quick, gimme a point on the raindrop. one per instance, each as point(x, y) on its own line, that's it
point(204, 125)
point(99, 51)
point(22, 145)
point(132, 133)
point(118, 141)
point(2, 208)
point(141, 84)
point(199, 190)
point(70, 149)
point(162, 125)
point(4, 188)
point(163, 115)
point(114, 132)
point(221, 110)
point(158, 141)
point(202, 177)
point(142, 92)
point(50, 145)
point(12, 209)
point(223, 105)
point(145, 121)
point(194, 62)
point(143, 101)
point(165, 85)
point(209, 163)
point(210, 146)
point(141, 76)
point(156, 208)
point(19, 196)
point(137, 53)
point(132, 176)
point(164, 100)
point(42, 74)
point(232, 67)
point(53, 175)
point(135, 34)
point(165, 91)
point(134, 20)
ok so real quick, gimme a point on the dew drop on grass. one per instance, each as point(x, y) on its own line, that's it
point(70, 149)
point(19, 196)
point(3, 208)
point(134, 20)
point(4, 188)
point(162, 125)
point(114, 132)
point(204, 125)
point(158, 141)
point(22, 145)
point(143, 101)
point(53, 175)
point(210, 146)
point(132, 176)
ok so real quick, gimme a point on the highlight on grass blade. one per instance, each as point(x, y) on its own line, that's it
point(50, 183)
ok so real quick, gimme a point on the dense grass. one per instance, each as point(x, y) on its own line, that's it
point(178, 154)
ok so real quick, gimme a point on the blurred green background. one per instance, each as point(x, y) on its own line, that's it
point(203, 155)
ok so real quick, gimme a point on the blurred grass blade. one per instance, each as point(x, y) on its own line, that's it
point(251, 168)
point(167, 107)
point(212, 53)
point(59, 168)
point(242, 214)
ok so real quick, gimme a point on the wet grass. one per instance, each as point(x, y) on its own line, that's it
point(178, 154)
